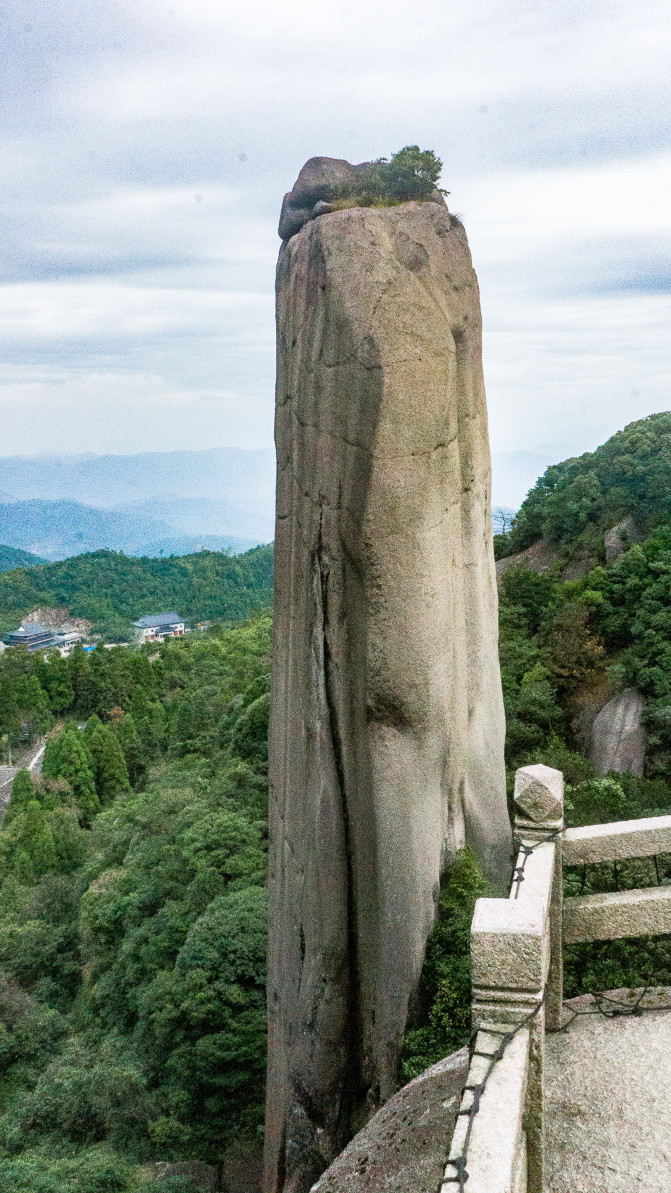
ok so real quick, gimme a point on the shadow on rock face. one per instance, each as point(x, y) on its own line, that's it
point(403, 1147)
point(241, 1173)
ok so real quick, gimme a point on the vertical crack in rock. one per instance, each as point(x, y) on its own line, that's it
point(352, 1042)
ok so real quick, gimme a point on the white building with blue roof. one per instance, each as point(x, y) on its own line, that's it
point(156, 627)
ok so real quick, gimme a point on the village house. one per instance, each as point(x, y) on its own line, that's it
point(155, 627)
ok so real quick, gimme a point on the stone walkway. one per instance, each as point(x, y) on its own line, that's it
point(7, 777)
point(608, 1102)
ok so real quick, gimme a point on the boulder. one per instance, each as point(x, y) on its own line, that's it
point(618, 737)
point(241, 1172)
point(403, 1147)
point(320, 182)
point(387, 725)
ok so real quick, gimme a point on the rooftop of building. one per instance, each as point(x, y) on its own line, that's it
point(158, 619)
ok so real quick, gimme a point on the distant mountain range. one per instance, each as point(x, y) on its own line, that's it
point(59, 529)
point(246, 479)
point(169, 502)
point(155, 503)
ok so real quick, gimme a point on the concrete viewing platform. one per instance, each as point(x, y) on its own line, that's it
point(607, 1104)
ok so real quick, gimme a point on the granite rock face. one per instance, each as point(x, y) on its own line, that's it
point(387, 725)
point(403, 1147)
point(618, 737)
point(619, 539)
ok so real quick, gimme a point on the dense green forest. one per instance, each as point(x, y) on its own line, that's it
point(132, 913)
point(132, 901)
point(570, 637)
point(112, 589)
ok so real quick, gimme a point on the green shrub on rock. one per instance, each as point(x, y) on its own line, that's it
point(412, 173)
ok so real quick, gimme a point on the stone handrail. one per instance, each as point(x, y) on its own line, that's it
point(615, 842)
point(517, 974)
point(617, 914)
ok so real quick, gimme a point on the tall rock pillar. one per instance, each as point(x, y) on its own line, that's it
point(387, 726)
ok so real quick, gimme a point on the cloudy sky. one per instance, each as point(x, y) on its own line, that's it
point(146, 145)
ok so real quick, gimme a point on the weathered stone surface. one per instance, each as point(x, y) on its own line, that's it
point(619, 840)
point(510, 937)
point(608, 1112)
point(539, 557)
point(508, 948)
point(645, 911)
point(320, 182)
point(539, 792)
point(542, 557)
point(496, 1152)
point(60, 619)
point(386, 737)
point(241, 1173)
point(619, 538)
point(618, 737)
point(403, 1147)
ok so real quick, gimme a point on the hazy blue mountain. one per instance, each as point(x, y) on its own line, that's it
point(227, 492)
point(206, 516)
point(59, 529)
point(12, 557)
point(224, 473)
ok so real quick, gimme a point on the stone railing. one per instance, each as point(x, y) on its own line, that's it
point(516, 953)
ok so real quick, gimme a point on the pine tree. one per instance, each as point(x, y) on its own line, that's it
point(80, 678)
point(23, 791)
point(10, 716)
point(103, 695)
point(54, 677)
point(127, 735)
point(68, 757)
point(110, 771)
point(30, 849)
point(33, 703)
point(151, 727)
point(92, 725)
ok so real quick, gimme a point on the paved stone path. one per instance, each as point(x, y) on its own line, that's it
point(608, 1108)
point(7, 776)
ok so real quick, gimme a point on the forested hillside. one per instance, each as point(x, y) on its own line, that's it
point(574, 630)
point(112, 589)
point(582, 627)
point(132, 892)
point(132, 914)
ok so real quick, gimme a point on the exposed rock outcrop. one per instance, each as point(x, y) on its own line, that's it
point(60, 619)
point(619, 539)
point(403, 1147)
point(387, 726)
point(539, 557)
point(542, 557)
point(618, 737)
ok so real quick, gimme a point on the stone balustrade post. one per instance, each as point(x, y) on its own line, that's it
point(516, 942)
point(539, 808)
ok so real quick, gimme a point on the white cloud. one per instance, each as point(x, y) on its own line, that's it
point(146, 148)
point(45, 410)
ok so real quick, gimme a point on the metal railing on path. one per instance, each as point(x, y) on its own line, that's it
point(517, 971)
